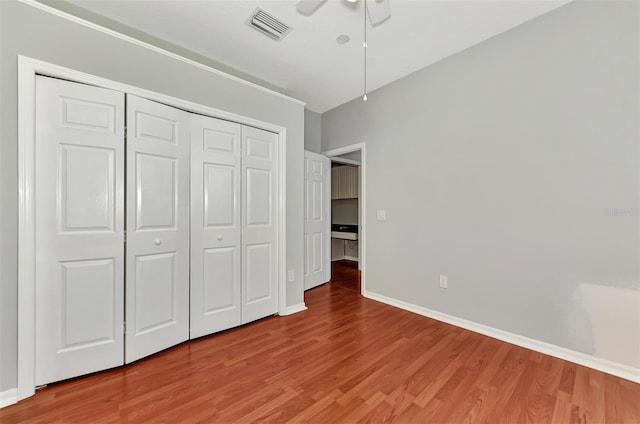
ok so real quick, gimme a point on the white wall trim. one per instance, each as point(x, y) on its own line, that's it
point(294, 309)
point(8, 397)
point(156, 49)
point(282, 220)
point(27, 70)
point(26, 228)
point(600, 364)
point(362, 204)
point(327, 212)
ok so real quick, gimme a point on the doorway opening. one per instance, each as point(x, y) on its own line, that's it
point(348, 212)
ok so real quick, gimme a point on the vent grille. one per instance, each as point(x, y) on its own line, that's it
point(269, 25)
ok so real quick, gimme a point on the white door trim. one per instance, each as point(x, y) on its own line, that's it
point(345, 161)
point(27, 70)
point(362, 204)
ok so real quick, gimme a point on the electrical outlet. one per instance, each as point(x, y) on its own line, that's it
point(381, 215)
point(444, 281)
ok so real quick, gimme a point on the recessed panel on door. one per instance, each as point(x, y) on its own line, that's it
point(317, 251)
point(259, 196)
point(307, 256)
point(220, 290)
point(317, 167)
point(155, 128)
point(220, 140)
point(88, 115)
point(156, 191)
point(155, 291)
point(258, 269)
point(88, 303)
point(87, 183)
point(220, 195)
point(79, 217)
point(259, 148)
point(317, 201)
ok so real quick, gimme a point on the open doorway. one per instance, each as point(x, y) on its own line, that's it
point(348, 191)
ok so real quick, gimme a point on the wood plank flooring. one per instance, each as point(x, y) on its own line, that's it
point(346, 359)
point(345, 274)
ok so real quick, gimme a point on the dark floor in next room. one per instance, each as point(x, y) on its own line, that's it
point(345, 274)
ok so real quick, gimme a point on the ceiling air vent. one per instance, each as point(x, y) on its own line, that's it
point(268, 25)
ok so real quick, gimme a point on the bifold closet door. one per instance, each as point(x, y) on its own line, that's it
point(215, 225)
point(157, 249)
point(79, 213)
point(260, 211)
point(234, 211)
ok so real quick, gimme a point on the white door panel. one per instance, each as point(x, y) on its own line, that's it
point(157, 274)
point(155, 286)
point(79, 198)
point(88, 299)
point(259, 223)
point(317, 266)
point(215, 225)
point(86, 173)
point(156, 192)
point(220, 273)
point(258, 271)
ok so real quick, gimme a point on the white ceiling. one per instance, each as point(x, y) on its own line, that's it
point(308, 64)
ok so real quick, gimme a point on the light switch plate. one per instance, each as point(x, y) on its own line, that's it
point(291, 276)
point(444, 281)
point(381, 215)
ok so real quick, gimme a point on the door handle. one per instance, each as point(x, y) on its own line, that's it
point(157, 242)
point(219, 237)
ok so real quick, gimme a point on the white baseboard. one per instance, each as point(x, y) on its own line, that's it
point(293, 309)
point(600, 364)
point(348, 258)
point(8, 397)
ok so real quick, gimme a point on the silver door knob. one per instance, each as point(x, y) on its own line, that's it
point(219, 237)
point(157, 242)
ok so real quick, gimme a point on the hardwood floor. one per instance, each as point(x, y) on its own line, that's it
point(346, 359)
point(345, 274)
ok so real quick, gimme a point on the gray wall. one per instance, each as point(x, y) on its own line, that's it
point(312, 130)
point(512, 167)
point(352, 156)
point(27, 31)
point(344, 211)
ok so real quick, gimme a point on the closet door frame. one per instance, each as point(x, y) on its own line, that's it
point(28, 68)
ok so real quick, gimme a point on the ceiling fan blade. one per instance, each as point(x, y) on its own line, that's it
point(307, 7)
point(378, 11)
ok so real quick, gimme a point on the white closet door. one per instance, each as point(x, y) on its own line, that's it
point(157, 275)
point(259, 223)
point(79, 210)
point(215, 225)
point(317, 265)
